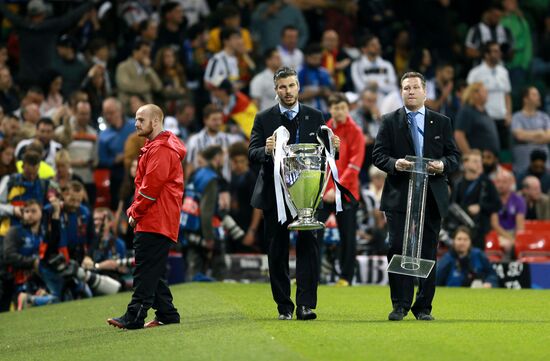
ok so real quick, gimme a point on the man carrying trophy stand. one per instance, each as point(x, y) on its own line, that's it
point(414, 130)
point(302, 123)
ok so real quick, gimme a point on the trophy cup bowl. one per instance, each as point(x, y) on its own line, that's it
point(305, 178)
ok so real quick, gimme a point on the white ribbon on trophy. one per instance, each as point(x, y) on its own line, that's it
point(281, 139)
point(329, 153)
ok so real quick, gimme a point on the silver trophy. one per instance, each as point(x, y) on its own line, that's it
point(409, 263)
point(305, 178)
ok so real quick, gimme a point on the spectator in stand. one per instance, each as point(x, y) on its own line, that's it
point(352, 152)
point(172, 28)
point(7, 160)
point(194, 10)
point(9, 100)
point(8, 129)
point(476, 194)
point(44, 133)
point(95, 87)
point(291, 55)
point(30, 114)
point(136, 76)
point(172, 76)
point(185, 119)
point(238, 109)
point(474, 128)
point(371, 68)
point(53, 81)
point(45, 171)
point(33, 95)
point(38, 35)
point(261, 86)
point(269, 20)
point(440, 95)
point(465, 265)
point(195, 61)
point(491, 164)
point(64, 174)
point(211, 134)
point(537, 167)
point(100, 54)
point(335, 60)
point(530, 128)
point(230, 18)
point(68, 65)
point(519, 64)
point(487, 30)
point(17, 188)
point(243, 180)
point(538, 203)
point(511, 217)
point(224, 64)
point(497, 82)
point(82, 146)
point(315, 82)
point(111, 145)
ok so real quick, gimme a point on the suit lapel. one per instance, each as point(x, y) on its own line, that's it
point(274, 119)
point(428, 132)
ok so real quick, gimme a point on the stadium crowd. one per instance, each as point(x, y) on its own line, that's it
point(73, 74)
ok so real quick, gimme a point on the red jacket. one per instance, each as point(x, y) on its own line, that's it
point(159, 186)
point(352, 153)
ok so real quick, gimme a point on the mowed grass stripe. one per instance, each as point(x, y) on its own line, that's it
point(238, 322)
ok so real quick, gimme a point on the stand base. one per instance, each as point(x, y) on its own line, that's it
point(410, 266)
point(305, 224)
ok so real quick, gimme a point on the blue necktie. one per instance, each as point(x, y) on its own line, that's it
point(415, 133)
point(289, 114)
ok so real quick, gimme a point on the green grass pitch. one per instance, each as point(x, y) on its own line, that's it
point(238, 322)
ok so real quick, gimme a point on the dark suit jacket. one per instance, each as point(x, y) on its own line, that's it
point(394, 141)
point(265, 124)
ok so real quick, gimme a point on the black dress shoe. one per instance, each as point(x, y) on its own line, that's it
point(305, 313)
point(397, 314)
point(285, 316)
point(423, 316)
point(124, 323)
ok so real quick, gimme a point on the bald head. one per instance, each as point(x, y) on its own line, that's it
point(531, 188)
point(149, 121)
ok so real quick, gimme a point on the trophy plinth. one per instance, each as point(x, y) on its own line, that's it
point(409, 263)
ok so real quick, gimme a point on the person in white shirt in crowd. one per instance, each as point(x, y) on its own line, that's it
point(44, 133)
point(291, 55)
point(530, 129)
point(371, 68)
point(224, 64)
point(211, 134)
point(492, 73)
point(261, 86)
point(194, 10)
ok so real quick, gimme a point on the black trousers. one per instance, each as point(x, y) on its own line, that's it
point(307, 264)
point(402, 287)
point(347, 228)
point(150, 285)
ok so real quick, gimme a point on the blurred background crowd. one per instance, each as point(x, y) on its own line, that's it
point(73, 74)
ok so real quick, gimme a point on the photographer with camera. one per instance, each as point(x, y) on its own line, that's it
point(24, 247)
point(475, 194)
point(202, 219)
point(465, 265)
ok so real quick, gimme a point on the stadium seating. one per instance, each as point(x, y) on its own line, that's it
point(537, 226)
point(492, 247)
point(102, 182)
point(532, 246)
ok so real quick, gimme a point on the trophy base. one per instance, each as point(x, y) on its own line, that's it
point(410, 266)
point(307, 224)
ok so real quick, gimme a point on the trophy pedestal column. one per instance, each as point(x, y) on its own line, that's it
point(409, 262)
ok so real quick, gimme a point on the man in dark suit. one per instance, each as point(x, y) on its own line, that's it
point(302, 123)
point(414, 130)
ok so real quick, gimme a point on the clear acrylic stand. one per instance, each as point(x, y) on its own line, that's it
point(409, 262)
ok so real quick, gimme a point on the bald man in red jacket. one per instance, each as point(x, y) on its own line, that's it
point(155, 215)
point(350, 160)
